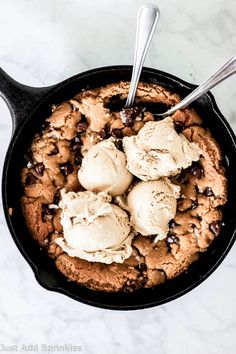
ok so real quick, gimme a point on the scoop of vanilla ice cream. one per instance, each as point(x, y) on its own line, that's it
point(159, 151)
point(104, 169)
point(152, 205)
point(94, 229)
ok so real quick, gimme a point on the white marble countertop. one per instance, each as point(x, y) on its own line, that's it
point(43, 42)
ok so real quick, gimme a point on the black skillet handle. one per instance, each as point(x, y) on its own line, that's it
point(20, 99)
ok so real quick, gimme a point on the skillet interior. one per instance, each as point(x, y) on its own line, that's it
point(45, 271)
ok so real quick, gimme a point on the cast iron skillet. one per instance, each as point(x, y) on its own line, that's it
point(29, 107)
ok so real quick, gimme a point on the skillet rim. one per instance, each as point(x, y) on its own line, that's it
point(56, 88)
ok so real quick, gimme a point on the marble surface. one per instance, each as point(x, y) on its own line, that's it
point(43, 42)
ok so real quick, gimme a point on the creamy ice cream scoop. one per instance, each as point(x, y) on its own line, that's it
point(104, 169)
point(159, 151)
point(152, 205)
point(94, 229)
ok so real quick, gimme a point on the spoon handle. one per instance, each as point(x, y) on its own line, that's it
point(147, 20)
point(228, 69)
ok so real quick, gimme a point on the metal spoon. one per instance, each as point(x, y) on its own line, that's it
point(148, 17)
point(228, 69)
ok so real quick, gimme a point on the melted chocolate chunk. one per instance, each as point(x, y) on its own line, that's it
point(39, 168)
point(66, 168)
point(30, 179)
point(118, 144)
point(194, 205)
point(179, 176)
point(172, 224)
point(57, 199)
point(117, 133)
point(172, 238)
point(196, 170)
point(76, 147)
point(128, 115)
point(208, 192)
point(215, 227)
point(102, 134)
point(54, 151)
point(179, 127)
point(132, 286)
point(141, 267)
point(46, 212)
point(78, 159)
point(82, 127)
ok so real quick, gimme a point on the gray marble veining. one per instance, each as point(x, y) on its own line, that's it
point(43, 42)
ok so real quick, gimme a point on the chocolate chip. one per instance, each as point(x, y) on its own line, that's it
point(30, 179)
point(39, 168)
point(54, 151)
point(102, 133)
point(208, 192)
point(118, 144)
point(196, 170)
point(172, 238)
point(46, 212)
point(194, 205)
point(82, 127)
point(141, 267)
point(117, 133)
point(66, 168)
point(56, 199)
point(76, 147)
point(172, 224)
point(132, 285)
point(215, 227)
point(78, 159)
point(128, 115)
point(179, 127)
point(179, 176)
